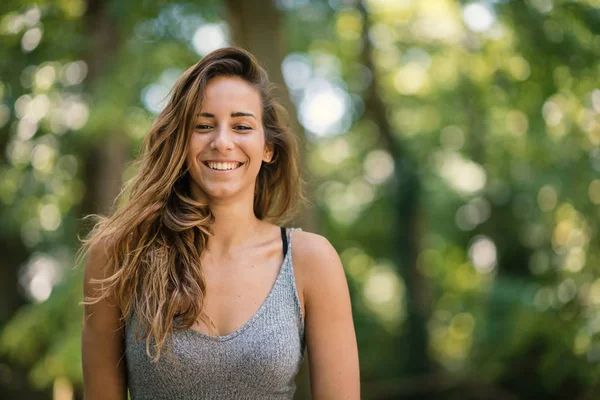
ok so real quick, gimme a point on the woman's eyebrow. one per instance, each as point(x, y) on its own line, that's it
point(242, 114)
point(233, 114)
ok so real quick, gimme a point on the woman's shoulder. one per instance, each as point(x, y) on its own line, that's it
point(316, 260)
point(309, 245)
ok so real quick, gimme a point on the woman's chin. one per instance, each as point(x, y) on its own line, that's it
point(220, 190)
point(221, 193)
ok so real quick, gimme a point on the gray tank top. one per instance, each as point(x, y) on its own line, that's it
point(258, 361)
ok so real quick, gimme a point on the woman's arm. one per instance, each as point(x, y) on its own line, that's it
point(102, 348)
point(330, 337)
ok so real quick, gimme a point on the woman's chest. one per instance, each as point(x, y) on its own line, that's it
point(263, 358)
point(235, 293)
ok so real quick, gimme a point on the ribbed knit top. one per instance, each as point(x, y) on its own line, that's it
point(258, 361)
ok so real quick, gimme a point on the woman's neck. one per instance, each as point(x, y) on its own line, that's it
point(234, 224)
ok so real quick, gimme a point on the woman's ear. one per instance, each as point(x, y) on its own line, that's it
point(268, 154)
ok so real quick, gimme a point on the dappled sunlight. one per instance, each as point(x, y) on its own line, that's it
point(463, 175)
point(378, 166)
point(156, 95)
point(348, 24)
point(13, 23)
point(42, 157)
point(451, 337)
point(416, 120)
point(50, 217)
point(594, 191)
point(73, 73)
point(476, 212)
point(31, 39)
point(346, 201)
point(478, 17)
point(210, 37)
point(411, 79)
point(519, 68)
point(547, 198)
point(452, 137)
point(571, 229)
point(384, 294)
point(45, 77)
point(437, 21)
point(482, 252)
point(323, 109)
point(297, 71)
point(39, 275)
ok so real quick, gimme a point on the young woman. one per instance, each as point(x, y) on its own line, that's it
point(191, 291)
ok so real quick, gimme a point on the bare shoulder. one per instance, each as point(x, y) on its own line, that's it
point(97, 263)
point(311, 247)
point(98, 266)
point(312, 251)
point(316, 262)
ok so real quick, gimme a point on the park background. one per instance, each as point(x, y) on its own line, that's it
point(451, 150)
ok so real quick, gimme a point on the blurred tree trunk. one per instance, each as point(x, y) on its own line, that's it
point(407, 233)
point(256, 27)
point(14, 255)
point(107, 153)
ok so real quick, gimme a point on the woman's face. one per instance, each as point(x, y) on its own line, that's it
point(227, 147)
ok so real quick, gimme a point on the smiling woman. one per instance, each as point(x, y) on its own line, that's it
point(192, 289)
point(228, 146)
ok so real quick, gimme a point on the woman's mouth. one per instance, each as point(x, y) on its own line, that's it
point(222, 165)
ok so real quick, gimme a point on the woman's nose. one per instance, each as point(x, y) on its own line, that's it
point(222, 139)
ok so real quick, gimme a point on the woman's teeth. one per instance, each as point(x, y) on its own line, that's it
point(223, 166)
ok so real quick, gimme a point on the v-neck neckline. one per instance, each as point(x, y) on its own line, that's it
point(254, 317)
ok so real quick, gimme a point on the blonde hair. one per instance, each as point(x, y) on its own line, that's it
point(154, 240)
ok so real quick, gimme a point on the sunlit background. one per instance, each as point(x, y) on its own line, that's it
point(452, 151)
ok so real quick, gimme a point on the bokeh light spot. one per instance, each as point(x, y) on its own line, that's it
point(482, 253)
point(478, 17)
point(594, 191)
point(378, 166)
point(210, 37)
point(31, 39)
point(547, 198)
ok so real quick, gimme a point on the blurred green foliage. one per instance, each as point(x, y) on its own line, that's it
point(455, 155)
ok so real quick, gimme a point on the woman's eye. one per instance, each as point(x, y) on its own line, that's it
point(202, 127)
point(243, 128)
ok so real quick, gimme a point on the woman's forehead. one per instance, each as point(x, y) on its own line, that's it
point(227, 90)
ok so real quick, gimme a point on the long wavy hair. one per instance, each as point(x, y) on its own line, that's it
point(154, 237)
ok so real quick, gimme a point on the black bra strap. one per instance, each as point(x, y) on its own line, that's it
point(284, 240)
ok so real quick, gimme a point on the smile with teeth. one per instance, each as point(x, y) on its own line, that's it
point(223, 166)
